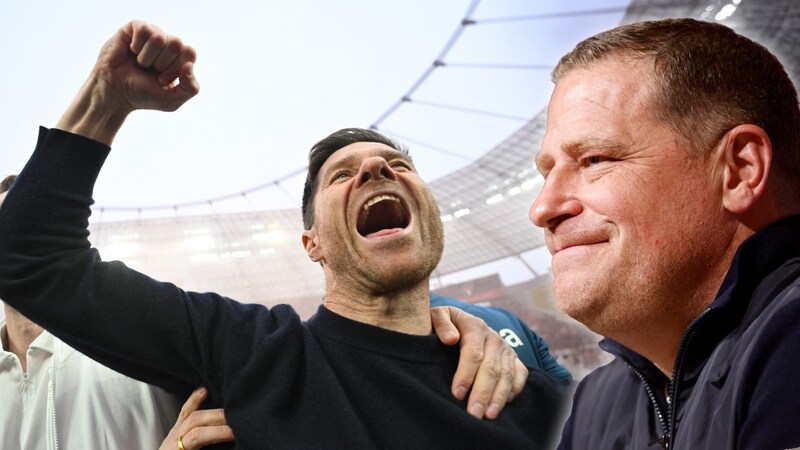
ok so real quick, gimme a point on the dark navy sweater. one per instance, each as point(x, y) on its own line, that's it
point(329, 382)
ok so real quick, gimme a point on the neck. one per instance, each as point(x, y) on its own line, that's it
point(658, 338)
point(660, 345)
point(20, 333)
point(406, 311)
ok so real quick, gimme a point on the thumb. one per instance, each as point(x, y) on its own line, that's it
point(188, 83)
point(443, 325)
point(186, 87)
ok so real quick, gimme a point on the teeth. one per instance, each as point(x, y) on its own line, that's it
point(380, 198)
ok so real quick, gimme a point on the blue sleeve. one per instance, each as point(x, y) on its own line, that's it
point(546, 360)
point(530, 347)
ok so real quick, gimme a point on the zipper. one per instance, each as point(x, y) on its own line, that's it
point(663, 439)
point(52, 394)
point(673, 385)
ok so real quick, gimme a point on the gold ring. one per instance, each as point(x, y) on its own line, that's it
point(180, 443)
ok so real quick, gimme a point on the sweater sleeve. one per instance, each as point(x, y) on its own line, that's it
point(146, 329)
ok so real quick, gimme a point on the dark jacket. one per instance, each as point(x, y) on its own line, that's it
point(736, 376)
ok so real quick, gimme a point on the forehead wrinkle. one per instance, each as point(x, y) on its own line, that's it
point(346, 161)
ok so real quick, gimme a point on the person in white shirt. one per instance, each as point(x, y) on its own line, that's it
point(54, 397)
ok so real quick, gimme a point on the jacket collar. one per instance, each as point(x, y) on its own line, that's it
point(758, 256)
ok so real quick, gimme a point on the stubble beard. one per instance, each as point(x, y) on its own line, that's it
point(389, 272)
point(391, 278)
point(388, 276)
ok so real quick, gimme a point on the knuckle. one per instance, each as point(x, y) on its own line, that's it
point(484, 394)
point(193, 420)
point(191, 437)
point(186, 411)
point(189, 53)
point(476, 354)
point(162, 39)
point(501, 396)
point(498, 340)
point(490, 368)
point(223, 432)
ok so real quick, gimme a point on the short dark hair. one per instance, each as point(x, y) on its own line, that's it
point(706, 79)
point(323, 150)
point(6, 183)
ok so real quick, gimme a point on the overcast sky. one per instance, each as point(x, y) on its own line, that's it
point(276, 76)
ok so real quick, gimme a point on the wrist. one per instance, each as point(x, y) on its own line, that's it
point(95, 113)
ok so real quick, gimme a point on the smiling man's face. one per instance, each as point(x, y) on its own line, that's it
point(376, 225)
point(634, 222)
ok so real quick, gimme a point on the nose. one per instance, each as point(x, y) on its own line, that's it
point(374, 168)
point(557, 201)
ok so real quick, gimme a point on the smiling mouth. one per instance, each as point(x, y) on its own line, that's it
point(381, 215)
point(577, 247)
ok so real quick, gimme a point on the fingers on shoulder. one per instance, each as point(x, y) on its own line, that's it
point(496, 384)
point(469, 323)
point(443, 325)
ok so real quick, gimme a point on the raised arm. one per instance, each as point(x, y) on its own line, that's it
point(140, 67)
point(48, 270)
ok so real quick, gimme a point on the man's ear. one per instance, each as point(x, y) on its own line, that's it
point(747, 159)
point(312, 246)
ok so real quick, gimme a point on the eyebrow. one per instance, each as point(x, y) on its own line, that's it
point(542, 160)
point(583, 146)
point(575, 148)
